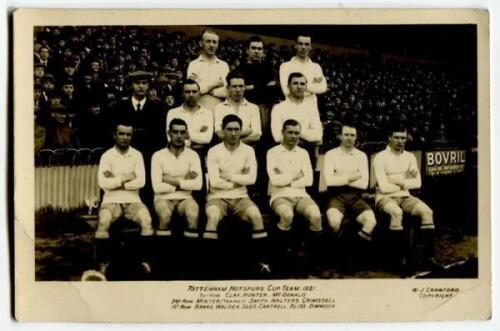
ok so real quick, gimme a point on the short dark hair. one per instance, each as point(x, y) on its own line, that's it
point(234, 74)
point(295, 75)
point(122, 120)
point(396, 126)
point(231, 118)
point(349, 121)
point(349, 125)
point(177, 121)
point(190, 81)
point(290, 122)
point(254, 39)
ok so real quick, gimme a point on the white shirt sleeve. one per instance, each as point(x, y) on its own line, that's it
point(362, 183)
point(383, 183)
point(193, 68)
point(140, 180)
point(276, 123)
point(107, 183)
point(218, 116)
point(251, 176)
point(214, 173)
point(221, 92)
point(416, 182)
point(314, 132)
point(333, 178)
point(196, 183)
point(320, 87)
point(284, 73)
point(205, 137)
point(275, 179)
point(307, 179)
point(159, 187)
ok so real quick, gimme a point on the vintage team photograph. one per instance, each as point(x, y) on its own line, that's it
point(250, 152)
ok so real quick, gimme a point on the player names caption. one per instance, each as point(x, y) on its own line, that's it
point(235, 297)
point(428, 292)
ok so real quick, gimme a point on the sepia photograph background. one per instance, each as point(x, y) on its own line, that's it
point(459, 244)
point(375, 75)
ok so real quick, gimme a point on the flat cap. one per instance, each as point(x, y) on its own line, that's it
point(139, 74)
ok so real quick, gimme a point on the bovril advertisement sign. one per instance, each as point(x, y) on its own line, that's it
point(444, 162)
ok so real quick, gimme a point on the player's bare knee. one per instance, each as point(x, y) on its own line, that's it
point(313, 215)
point(213, 218)
point(426, 212)
point(396, 215)
point(164, 223)
point(334, 218)
point(165, 215)
point(192, 211)
point(368, 220)
point(146, 223)
point(254, 216)
point(285, 214)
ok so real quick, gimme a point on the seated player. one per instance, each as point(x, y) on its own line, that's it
point(121, 175)
point(175, 172)
point(290, 172)
point(231, 167)
point(396, 173)
point(346, 176)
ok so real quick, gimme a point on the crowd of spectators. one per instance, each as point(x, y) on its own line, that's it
point(79, 71)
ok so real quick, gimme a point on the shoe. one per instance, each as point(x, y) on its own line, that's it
point(406, 270)
point(431, 264)
point(146, 268)
point(93, 276)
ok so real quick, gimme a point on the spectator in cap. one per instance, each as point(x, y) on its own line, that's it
point(48, 84)
point(40, 101)
point(68, 70)
point(92, 124)
point(174, 86)
point(61, 132)
point(69, 96)
point(89, 89)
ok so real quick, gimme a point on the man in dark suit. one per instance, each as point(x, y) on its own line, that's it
point(44, 59)
point(148, 116)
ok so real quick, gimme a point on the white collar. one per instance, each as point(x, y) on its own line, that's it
point(135, 102)
point(204, 59)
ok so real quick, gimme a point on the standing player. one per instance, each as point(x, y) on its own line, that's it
point(346, 176)
point(198, 119)
point(301, 62)
point(260, 79)
point(231, 167)
point(209, 71)
point(295, 107)
point(236, 104)
point(290, 172)
point(396, 173)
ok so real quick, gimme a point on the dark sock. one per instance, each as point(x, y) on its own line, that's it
point(428, 241)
